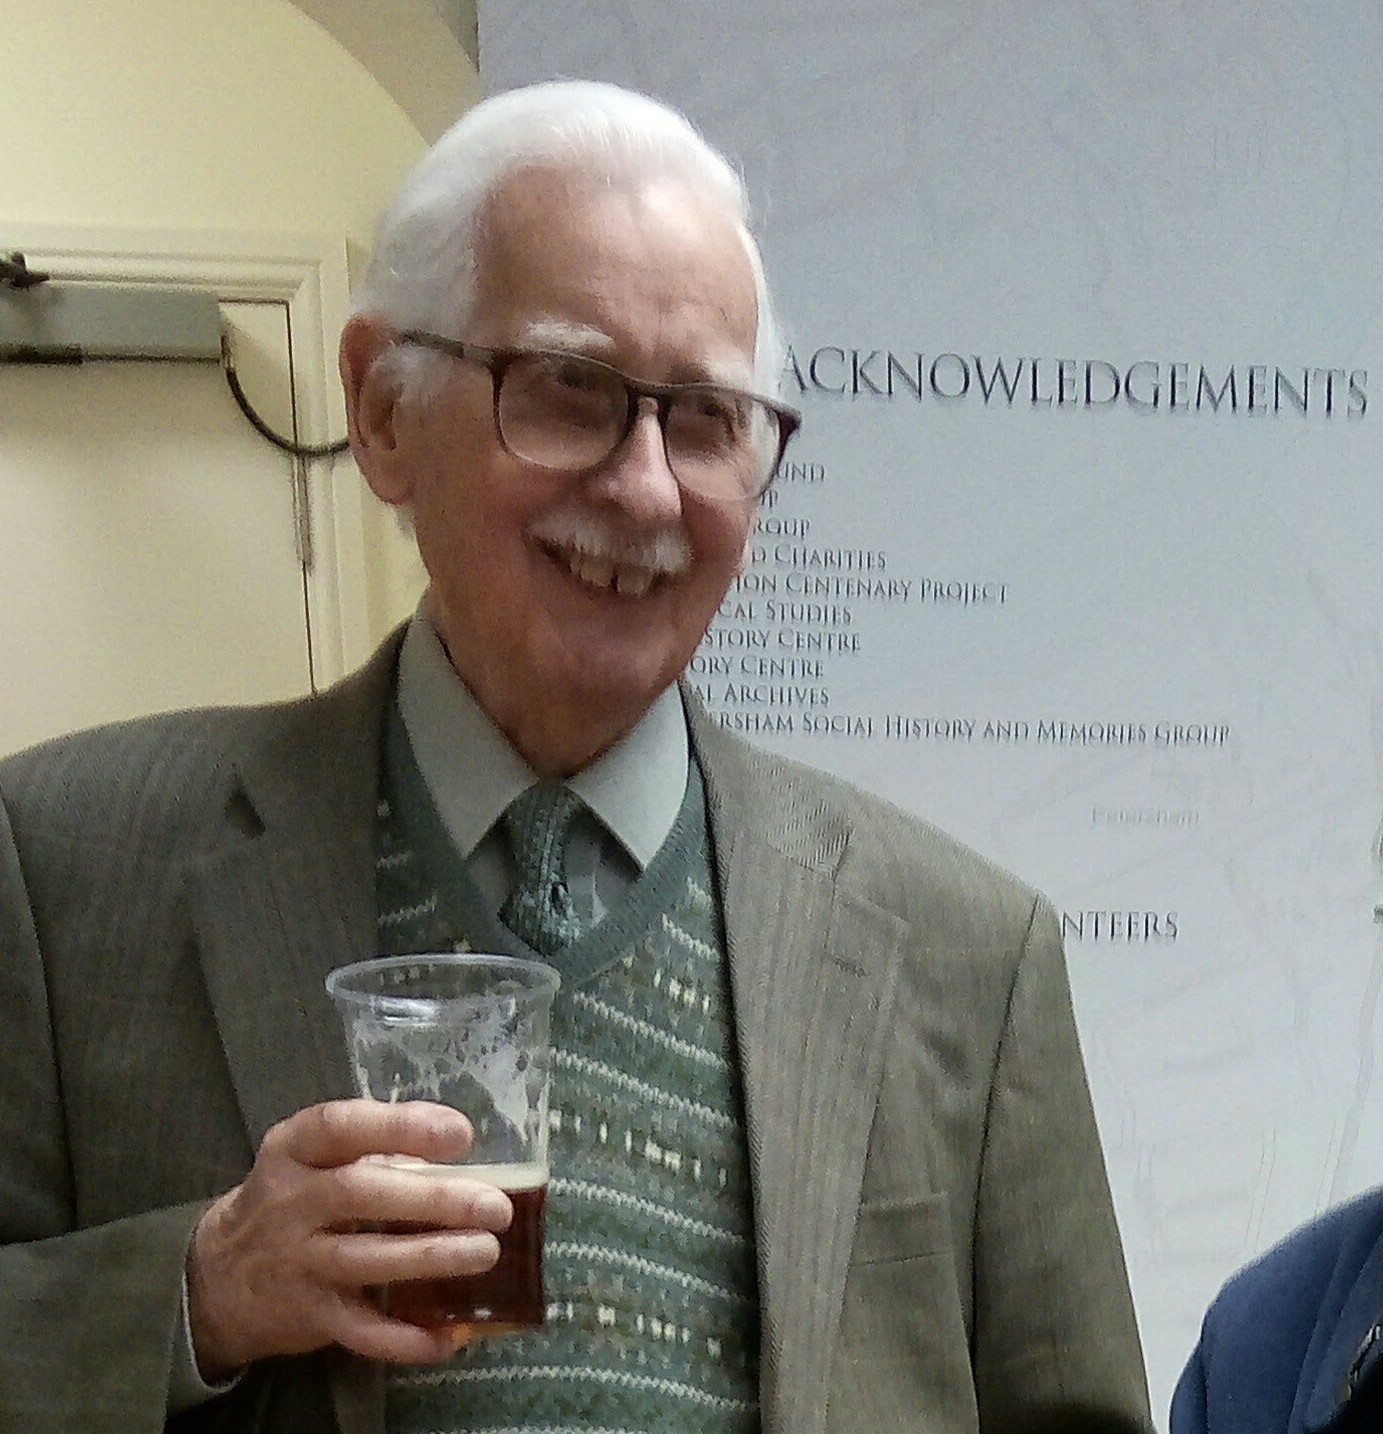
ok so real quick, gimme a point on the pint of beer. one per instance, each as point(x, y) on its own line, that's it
point(469, 1031)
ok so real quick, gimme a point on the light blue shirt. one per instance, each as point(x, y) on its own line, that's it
point(633, 791)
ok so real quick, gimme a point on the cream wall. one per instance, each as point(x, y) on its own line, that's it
point(201, 115)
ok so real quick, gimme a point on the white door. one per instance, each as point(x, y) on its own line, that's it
point(151, 554)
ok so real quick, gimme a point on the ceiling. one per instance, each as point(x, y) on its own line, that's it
point(423, 53)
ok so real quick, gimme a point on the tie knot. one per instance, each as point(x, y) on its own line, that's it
point(538, 823)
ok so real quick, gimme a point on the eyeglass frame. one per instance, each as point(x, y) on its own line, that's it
point(497, 361)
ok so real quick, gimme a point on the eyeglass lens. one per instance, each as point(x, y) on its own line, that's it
point(560, 411)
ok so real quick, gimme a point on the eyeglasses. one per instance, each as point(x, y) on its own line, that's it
point(567, 412)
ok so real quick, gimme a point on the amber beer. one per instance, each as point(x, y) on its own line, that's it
point(508, 1296)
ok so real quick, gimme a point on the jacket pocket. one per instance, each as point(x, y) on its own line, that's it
point(900, 1230)
point(904, 1342)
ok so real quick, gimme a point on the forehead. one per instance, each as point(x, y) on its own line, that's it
point(653, 271)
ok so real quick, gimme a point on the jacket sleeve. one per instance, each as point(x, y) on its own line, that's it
point(1056, 1341)
point(87, 1316)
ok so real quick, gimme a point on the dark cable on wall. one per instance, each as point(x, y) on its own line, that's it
point(15, 274)
point(287, 445)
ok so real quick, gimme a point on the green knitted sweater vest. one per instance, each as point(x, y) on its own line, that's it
point(652, 1302)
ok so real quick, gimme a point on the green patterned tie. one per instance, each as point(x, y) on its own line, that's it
point(538, 823)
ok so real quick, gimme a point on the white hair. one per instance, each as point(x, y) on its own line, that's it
point(423, 273)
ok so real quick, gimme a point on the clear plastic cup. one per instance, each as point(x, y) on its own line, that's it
point(469, 1031)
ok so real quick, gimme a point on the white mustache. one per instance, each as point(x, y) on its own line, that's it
point(665, 554)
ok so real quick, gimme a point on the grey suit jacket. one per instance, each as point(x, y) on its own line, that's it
point(937, 1249)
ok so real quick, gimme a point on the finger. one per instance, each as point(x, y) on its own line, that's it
point(381, 1192)
point(363, 1328)
point(381, 1258)
point(339, 1131)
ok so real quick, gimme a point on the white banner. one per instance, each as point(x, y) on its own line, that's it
point(1078, 553)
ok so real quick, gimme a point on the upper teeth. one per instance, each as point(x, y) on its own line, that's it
point(593, 570)
point(602, 573)
point(633, 583)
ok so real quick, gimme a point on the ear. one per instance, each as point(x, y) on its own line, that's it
point(372, 407)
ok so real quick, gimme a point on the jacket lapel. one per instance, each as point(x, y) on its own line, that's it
point(273, 918)
point(288, 895)
point(813, 969)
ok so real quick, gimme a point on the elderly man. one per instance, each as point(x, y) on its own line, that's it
point(823, 1155)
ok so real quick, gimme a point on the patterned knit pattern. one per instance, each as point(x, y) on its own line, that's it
point(652, 1315)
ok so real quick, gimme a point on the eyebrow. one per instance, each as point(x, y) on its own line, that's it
point(588, 341)
point(566, 335)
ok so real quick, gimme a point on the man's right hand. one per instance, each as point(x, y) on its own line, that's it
point(283, 1263)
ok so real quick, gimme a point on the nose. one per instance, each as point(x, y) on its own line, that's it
point(636, 475)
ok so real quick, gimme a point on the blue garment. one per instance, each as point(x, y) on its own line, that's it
point(1293, 1343)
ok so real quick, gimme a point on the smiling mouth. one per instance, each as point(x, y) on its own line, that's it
point(626, 580)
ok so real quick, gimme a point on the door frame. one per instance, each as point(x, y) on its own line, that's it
point(309, 274)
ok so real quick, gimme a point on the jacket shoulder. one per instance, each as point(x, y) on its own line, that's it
point(888, 856)
point(169, 771)
point(96, 779)
point(1293, 1276)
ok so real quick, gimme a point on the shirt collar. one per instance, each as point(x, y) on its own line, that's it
point(472, 773)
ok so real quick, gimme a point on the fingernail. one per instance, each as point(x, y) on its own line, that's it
point(451, 1125)
point(493, 1207)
